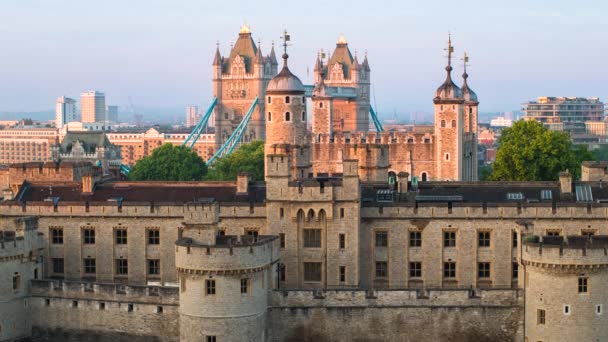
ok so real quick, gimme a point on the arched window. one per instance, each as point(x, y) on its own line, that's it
point(287, 99)
point(300, 215)
point(311, 215)
point(269, 99)
point(303, 116)
point(423, 176)
point(320, 104)
point(442, 123)
point(269, 116)
point(287, 116)
point(447, 156)
point(453, 123)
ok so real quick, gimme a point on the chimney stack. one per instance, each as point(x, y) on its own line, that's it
point(565, 182)
point(87, 183)
point(242, 183)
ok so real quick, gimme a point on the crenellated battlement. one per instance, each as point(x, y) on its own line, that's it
point(570, 253)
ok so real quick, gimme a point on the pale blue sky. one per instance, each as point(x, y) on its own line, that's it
point(159, 52)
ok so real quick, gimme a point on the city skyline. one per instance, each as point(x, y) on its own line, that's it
point(161, 55)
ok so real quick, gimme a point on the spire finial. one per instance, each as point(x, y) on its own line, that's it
point(286, 38)
point(449, 49)
point(465, 60)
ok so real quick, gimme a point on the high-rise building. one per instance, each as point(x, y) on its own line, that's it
point(192, 116)
point(112, 112)
point(65, 111)
point(93, 106)
point(565, 113)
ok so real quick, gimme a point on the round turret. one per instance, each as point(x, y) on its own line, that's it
point(285, 82)
point(448, 90)
point(565, 282)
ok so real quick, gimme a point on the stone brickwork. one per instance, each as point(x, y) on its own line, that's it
point(62, 310)
point(398, 315)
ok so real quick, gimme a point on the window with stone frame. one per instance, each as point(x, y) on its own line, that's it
point(210, 287)
point(483, 270)
point(381, 269)
point(58, 265)
point(16, 281)
point(449, 238)
point(121, 236)
point(244, 286)
point(342, 241)
point(554, 232)
point(515, 270)
point(449, 269)
point(483, 239)
point(312, 271)
point(382, 238)
point(540, 316)
point(154, 267)
point(583, 284)
point(122, 267)
point(514, 239)
point(282, 240)
point(88, 236)
point(153, 236)
point(287, 116)
point(89, 265)
point(253, 232)
point(210, 338)
point(415, 269)
point(57, 235)
point(312, 238)
point(342, 274)
point(415, 238)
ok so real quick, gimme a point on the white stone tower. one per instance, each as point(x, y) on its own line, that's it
point(449, 127)
point(224, 280)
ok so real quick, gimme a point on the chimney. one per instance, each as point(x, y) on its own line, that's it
point(87, 183)
point(403, 185)
point(565, 182)
point(242, 183)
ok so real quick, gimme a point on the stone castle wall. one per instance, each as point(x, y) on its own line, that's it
point(396, 315)
point(99, 312)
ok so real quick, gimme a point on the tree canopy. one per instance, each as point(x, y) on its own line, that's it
point(530, 152)
point(249, 157)
point(170, 163)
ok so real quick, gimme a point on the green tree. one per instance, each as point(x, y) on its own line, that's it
point(170, 163)
point(249, 157)
point(530, 152)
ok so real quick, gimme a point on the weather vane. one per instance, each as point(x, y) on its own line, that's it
point(286, 38)
point(449, 49)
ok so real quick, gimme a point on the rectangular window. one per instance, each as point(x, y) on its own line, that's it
point(282, 237)
point(122, 266)
point(449, 270)
point(153, 266)
point(153, 236)
point(381, 239)
point(514, 239)
point(16, 281)
point(483, 270)
point(553, 233)
point(244, 286)
point(415, 239)
point(57, 265)
point(89, 265)
point(281, 212)
point(89, 236)
point(449, 239)
point(415, 269)
point(210, 286)
point(540, 316)
point(312, 271)
point(342, 274)
point(582, 285)
point(57, 236)
point(342, 241)
point(484, 239)
point(381, 269)
point(211, 339)
point(282, 272)
point(312, 238)
point(121, 236)
point(515, 270)
point(341, 212)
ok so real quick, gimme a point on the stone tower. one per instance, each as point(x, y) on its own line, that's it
point(449, 127)
point(237, 80)
point(341, 97)
point(224, 280)
point(286, 120)
point(564, 279)
point(470, 127)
